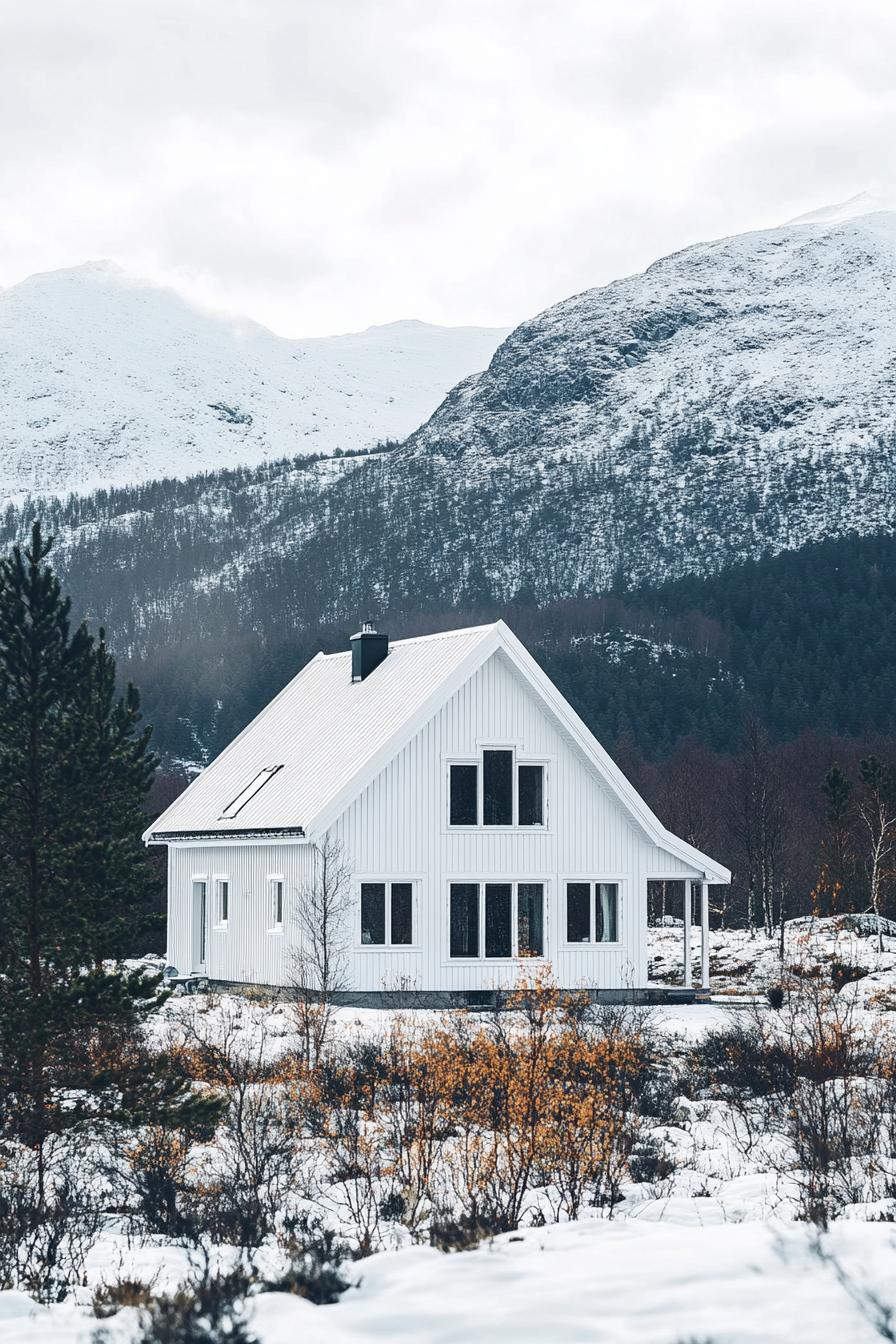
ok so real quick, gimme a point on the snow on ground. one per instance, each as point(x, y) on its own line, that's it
point(707, 1251)
point(659, 1283)
point(745, 963)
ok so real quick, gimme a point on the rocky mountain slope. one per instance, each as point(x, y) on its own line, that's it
point(736, 397)
point(108, 380)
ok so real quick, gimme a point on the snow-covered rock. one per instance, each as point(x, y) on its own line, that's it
point(107, 380)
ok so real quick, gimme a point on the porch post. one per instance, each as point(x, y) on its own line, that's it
point(687, 934)
point(704, 934)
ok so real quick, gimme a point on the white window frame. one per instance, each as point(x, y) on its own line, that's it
point(195, 879)
point(276, 925)
point(621, 883)
point(222, 921)
point(388, 945)
point(493, 880)
point(477, 759)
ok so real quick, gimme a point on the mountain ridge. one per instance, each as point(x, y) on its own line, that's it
point(107, 379)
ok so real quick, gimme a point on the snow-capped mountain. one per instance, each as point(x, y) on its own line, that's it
point(735, 400)
point(762, 348)
point(108, 380)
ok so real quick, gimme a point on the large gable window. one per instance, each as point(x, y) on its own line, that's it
point(496, 790)
point(498, 920)
point(387, 914)
point(249, 792)
point(592, 912)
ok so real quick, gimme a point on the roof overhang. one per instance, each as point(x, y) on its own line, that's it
point(260, 833)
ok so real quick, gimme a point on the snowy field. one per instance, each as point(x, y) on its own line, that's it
point(657, 1283)
point(708, 1249)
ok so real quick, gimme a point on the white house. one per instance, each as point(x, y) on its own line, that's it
point(480, 822)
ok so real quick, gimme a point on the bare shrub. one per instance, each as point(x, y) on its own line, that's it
point(209, 1309)
point(319, 971)
point(256, 1163)
point(315, 1255)
point(109, 1298)
point(48, 1222)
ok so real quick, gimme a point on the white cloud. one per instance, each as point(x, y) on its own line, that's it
point(326, 164)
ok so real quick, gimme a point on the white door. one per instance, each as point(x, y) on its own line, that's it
point(200, 925)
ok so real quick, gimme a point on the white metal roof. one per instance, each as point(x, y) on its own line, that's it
point(324, 738)
point(322, 729)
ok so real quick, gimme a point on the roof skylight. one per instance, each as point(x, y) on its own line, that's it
point(249, 792)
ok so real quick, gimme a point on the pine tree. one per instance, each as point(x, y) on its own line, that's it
point(74, 766)
point(116, 769)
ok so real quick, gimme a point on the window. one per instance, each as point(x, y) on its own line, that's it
point(401, 928)
point(200, 890)
point(387, 923)
point(464, 807)
point(578, 912)
point(530, 919)
point(249, 792)
point(276, 903)
point(497, 788)
point(498, 915)
point(464, 916)
point(510, 794)
point(530, 792)
point(592, 912)
point(509, 921)
point(222, 886)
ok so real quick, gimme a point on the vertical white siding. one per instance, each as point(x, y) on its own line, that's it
point(247, 950)
point(397, 829)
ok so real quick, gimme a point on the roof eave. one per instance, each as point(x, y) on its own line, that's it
point(154, 837)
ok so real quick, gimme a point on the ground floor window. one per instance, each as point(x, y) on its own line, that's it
point(592, 912)
point(496, 919)
point(222, 888)
point(387, 914)
point(200, 897)
point(276, 903)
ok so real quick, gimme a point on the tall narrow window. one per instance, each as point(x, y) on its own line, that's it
point(223, 900)
point(497, 788)
point(277, 902)
point(401, 912)
point(578, 912)
point(464, 918)
point(606, 913)
point(464, 805)
point(530, 795)
point(530, 919)
point(373, 913)
point(199, 914)
point(498, 932)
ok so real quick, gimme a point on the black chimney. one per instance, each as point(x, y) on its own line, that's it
point(368, 651)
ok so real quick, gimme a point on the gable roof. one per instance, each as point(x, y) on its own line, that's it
point(324, 738)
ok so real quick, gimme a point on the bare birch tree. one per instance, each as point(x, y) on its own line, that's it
point(877, 809)
point(320, 965)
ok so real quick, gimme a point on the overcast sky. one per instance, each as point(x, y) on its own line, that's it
point(322, 165)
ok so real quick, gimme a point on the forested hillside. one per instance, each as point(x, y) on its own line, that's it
point(804, 641)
